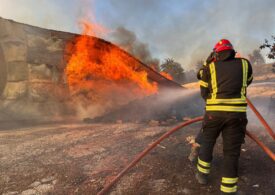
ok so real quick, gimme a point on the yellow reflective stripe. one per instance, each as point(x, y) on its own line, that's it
point(203, 170)
point(227, 101)
point(228, 189)
point(201, 73)
point(203, 163)
point(228, 180)
point(245, 71)
point(226, 108)
point(204, 84)
point(213, 80)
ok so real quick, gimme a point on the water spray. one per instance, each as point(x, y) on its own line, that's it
point(260, 117)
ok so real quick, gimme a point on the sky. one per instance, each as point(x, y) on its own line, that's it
point(183, 30)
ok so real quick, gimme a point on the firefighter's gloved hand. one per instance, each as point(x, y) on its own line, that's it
point(199, 74)
point(211, 57)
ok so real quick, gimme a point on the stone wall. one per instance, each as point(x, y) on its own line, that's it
point(32, 82)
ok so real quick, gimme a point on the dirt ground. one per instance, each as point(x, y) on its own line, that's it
point(81, 158)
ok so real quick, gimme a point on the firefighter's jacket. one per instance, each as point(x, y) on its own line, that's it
point(223, 83)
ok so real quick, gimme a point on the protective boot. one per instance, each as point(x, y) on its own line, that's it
point(202, 178)
point(193, 156)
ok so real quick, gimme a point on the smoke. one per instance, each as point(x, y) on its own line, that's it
point(266, 106)
point(168, 104)
point(183, 30)
point(188, 30)
point(129, 42)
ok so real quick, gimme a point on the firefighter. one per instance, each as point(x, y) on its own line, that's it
point(223, 81)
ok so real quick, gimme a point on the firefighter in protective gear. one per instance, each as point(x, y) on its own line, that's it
point(223, 81)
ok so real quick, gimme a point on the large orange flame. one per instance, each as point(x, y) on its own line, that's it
point(98, 69)
point(166, 75)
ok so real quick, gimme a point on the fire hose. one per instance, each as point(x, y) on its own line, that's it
point(262, 120)
point(168, 133)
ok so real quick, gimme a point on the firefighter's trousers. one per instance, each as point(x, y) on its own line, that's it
point(232, 126)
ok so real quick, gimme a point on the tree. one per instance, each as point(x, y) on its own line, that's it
point(174, 69)
point(256, 57)
point(270, 47)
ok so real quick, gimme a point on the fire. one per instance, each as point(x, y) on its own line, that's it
point(97, 69)
point(166, 75)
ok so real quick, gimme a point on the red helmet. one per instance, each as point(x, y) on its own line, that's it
point(222, 45)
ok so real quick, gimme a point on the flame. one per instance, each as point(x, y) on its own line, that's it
point(96, 69)
point(166, 75)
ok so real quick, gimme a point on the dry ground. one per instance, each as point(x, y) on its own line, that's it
point(79, 159)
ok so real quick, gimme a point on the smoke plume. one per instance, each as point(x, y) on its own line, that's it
point(183, 30)
point(129, 42)
point(188, 30)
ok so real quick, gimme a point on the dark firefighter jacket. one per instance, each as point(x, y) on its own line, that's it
point(223, 83)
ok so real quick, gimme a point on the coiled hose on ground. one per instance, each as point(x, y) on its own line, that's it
point(167, 134)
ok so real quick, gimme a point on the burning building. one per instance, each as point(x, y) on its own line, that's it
point(52, 74)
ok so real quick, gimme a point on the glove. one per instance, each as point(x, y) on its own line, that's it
point(199, 74)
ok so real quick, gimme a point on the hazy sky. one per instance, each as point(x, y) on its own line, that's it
point(185, 30)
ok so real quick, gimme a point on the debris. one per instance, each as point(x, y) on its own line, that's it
point(153, 123)
point(244, 150)
point(44, 188)
point(92, 180)
point(186, 118)
point(29, 192)
point(184, 191)
point(48, 179)
point(256, 186)
point(35, 184)
point(191, 140)
point(163, 147)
